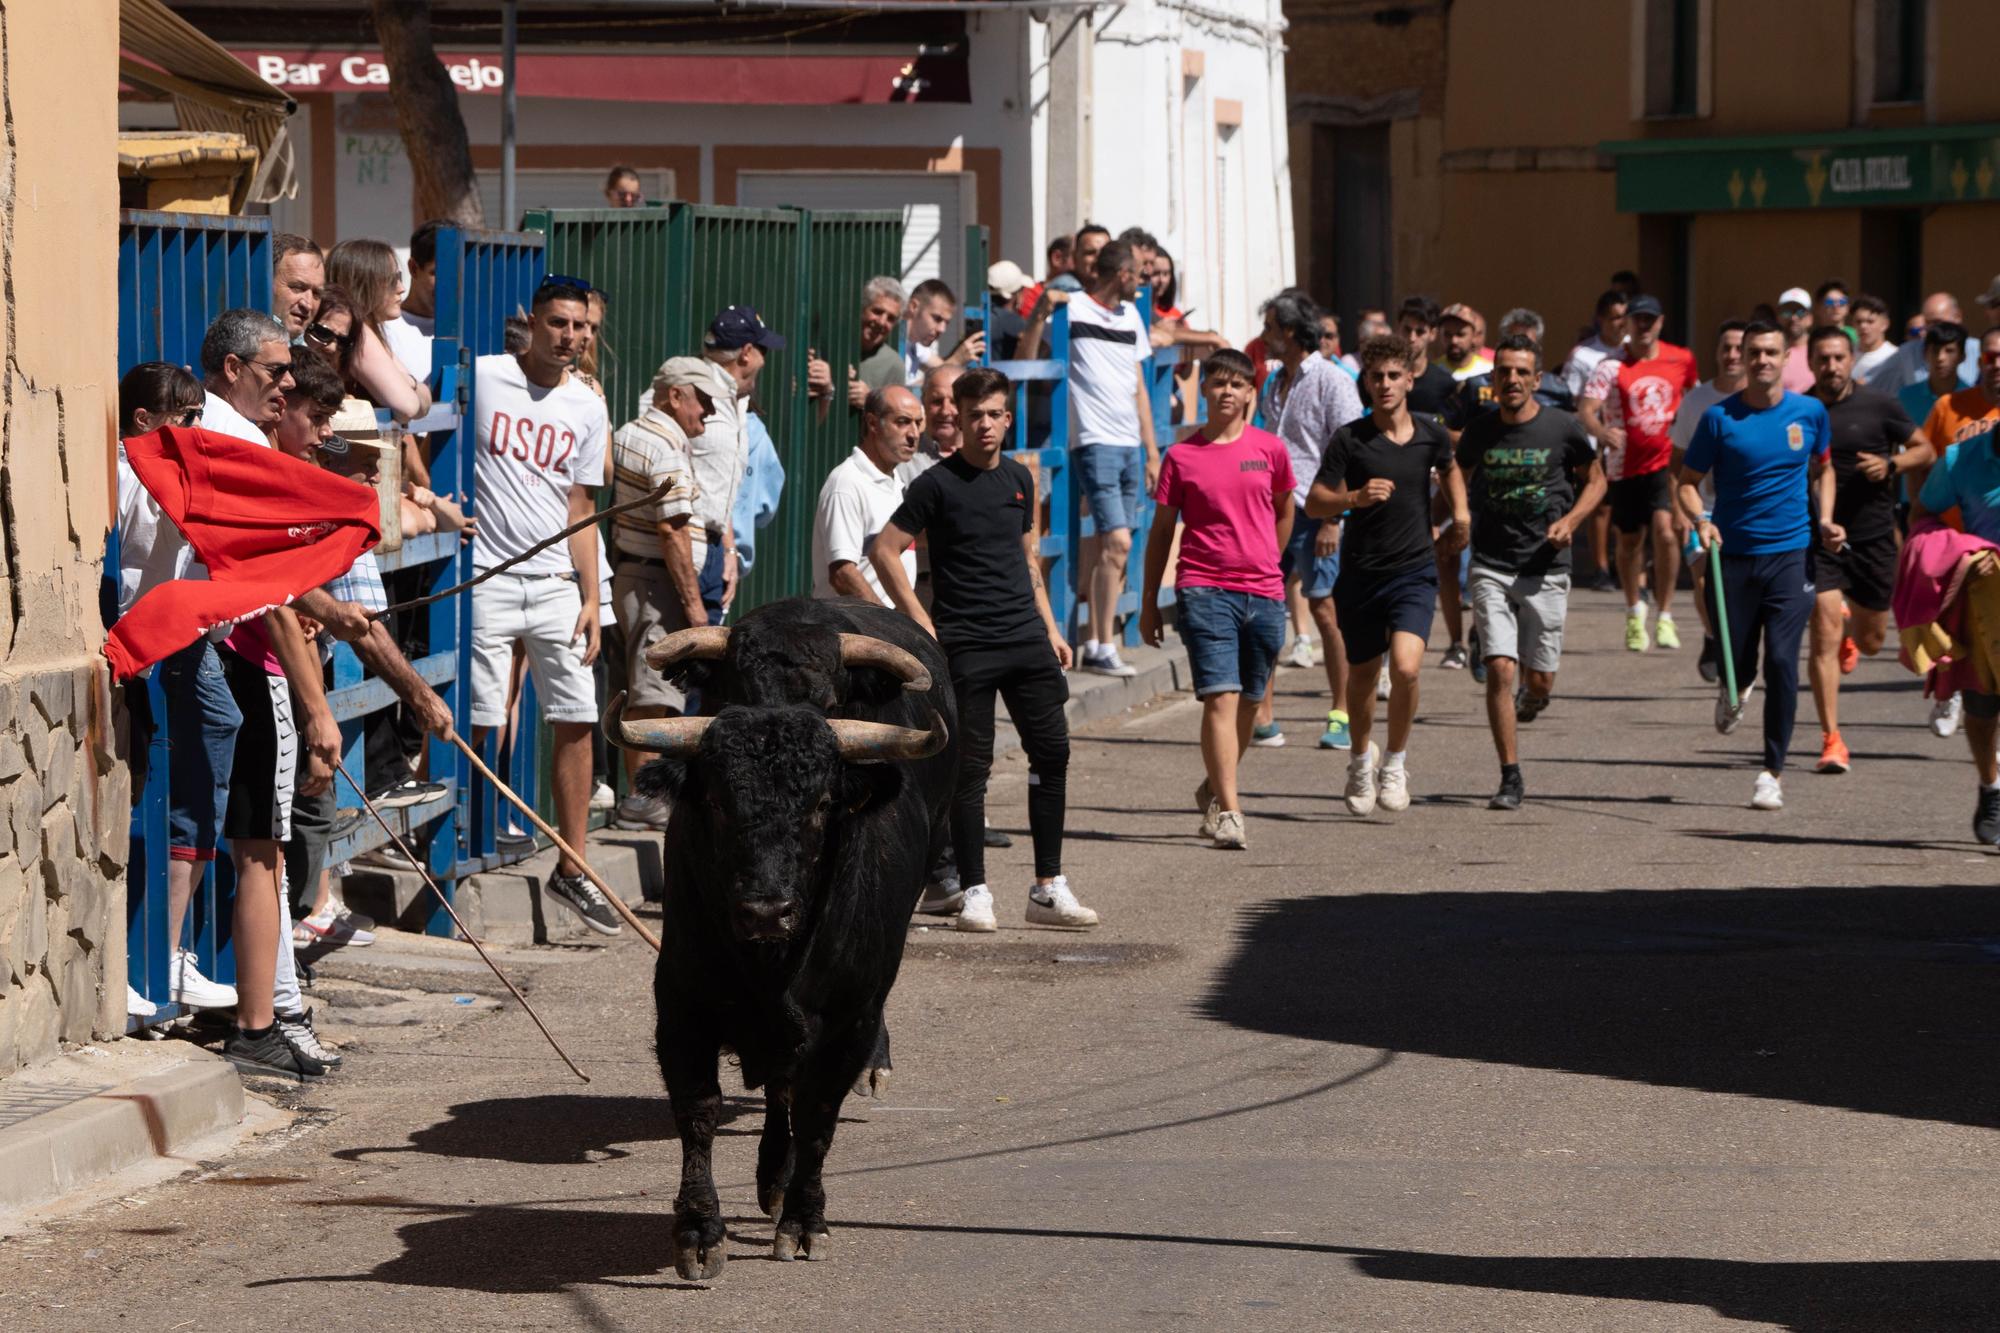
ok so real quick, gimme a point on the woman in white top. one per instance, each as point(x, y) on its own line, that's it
point(369, 272)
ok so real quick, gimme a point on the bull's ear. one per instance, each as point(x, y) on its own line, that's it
point(668, 779)
point(872, 685)
point(865, 786)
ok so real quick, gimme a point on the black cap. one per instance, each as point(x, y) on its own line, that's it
point(741, 326)
point(1643, 305)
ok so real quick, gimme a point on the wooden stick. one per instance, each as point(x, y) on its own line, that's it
point(617, 903)
point(424, 870)
point(654, 496)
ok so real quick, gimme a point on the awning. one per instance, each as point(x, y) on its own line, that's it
point(778, 79)
point(211, 90)
point(1936, 164)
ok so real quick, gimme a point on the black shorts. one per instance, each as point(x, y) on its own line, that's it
point(1865, 570)
point(267, 753)
point(1634, 500)
point(1371, 607)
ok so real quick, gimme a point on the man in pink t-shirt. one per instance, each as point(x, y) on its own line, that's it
point(1232, 487)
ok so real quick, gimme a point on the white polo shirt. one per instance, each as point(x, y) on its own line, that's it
point(854, 505)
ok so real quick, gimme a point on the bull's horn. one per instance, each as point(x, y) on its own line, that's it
point(867, 650)
point(703, 643)
point(882, 743)
point(675, 737)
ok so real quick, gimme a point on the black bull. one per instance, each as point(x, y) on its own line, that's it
point(809, 801)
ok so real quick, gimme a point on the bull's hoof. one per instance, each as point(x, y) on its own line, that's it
point(696, 1261)
point(772, 1201)
point(792, 1242)
point(872, 1082)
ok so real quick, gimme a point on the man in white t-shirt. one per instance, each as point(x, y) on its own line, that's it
point(410, 333)
point(539, 456)
point(1115, 451)
point(931, 308)
point(859, 497)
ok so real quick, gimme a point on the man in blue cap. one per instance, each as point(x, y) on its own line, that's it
point(735, 348)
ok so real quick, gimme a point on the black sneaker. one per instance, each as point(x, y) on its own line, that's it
point(1478, 655)
point(1986, 819)
point(995, 838)
point(1512, 789)
point(1710, 663)
point(313, 1055)
point(943, 896)
point(1528, 705)
point(582, 897)
point(266, 1053)
point(407, 792)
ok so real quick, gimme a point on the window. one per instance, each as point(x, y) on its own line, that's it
point(1900, 48)
point(1671, 45)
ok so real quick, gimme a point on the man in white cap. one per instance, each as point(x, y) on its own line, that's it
point(1003, 330)
point(1795, 316)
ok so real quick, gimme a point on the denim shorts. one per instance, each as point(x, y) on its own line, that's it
point(1319, 579)
point(1111, 475)
point(1232, 639)
point(202, 722)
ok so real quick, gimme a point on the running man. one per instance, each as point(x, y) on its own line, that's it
point(1873, 445)
point(1647, 378)
point(1377, 471)
point(1760, 445)
point(1521, 465)
point(1233, 485)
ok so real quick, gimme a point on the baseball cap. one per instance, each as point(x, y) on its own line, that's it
point(1797, 296)
point(1643, 305)
point(688, 371)
point(1006, 278)
point(1459, 311)
point(1992, 294)
point(741, 326)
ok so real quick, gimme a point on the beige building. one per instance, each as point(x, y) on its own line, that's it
point(1726, 151)
point(65, 804)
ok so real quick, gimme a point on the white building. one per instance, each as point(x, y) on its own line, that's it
point(1028, 118)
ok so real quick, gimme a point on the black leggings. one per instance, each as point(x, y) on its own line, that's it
point(1027, 677)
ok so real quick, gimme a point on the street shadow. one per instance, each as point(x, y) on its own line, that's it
point(560, 1129)
point(1878, 999)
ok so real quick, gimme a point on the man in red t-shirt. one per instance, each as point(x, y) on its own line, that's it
point(1629, 406)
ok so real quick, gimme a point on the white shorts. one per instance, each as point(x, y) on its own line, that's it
point(541, 613)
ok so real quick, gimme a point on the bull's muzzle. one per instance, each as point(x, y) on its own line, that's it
point(765, 919)
point(708, 643)
point(860, 742)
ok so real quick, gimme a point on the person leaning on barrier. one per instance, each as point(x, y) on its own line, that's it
point(881, 364)
point(734, 347)
point(655, 585)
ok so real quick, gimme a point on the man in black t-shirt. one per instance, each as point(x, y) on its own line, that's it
point(1377, 471)
point(990, 612)
point(1874, 443)
point(1521, 463)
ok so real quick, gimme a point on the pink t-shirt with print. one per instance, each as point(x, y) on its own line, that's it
point(1227, 495)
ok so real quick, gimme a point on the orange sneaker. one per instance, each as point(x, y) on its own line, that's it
point(1850, 656)
point(1833, 757)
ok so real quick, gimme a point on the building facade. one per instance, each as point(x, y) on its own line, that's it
point(1724, 151)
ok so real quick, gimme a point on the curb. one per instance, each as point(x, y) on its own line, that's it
point(47, 1155)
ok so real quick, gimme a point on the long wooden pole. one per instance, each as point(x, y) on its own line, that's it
point(423, 870)
point(617, 903)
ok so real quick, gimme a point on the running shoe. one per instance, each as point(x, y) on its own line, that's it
point(1454, 658)
point(1601, 580)
point(1726, 718)
point(1986, 817)
point(1300, 654)
point(641, 814)
point(1395, 789)
point(1665, 634)
point(297, 1030)
point(1767, 795)
point(1528, 706)
point(1267, 735)
point(406, 793)
point(1361, 792)
point(1229, 834)
point(1833, 756)
point(387, 857)
point(1336, 736)
point(1204, 801)
point(266, 1053)
point(1850, 655)
point(1109, 663)
point(1946, 714)
point(1382, 683)
point(1512, 789)
point(976, 915)
point(1635, 633)
point(1710, 664)
point(333, 928)
point(586, 900)
point(1055, 905)
point(994, 837)
point(943, 896)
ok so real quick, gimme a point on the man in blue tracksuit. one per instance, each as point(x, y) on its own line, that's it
point(1766, 450)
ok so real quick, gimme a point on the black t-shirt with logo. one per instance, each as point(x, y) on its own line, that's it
point(1519, 479)
point(1867, 421)
point(1431, 393)
point(1395, 535)
point(974, 519)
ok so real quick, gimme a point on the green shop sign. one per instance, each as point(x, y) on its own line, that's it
point(1857, 169)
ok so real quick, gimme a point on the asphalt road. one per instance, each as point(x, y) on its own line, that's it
point(1637, 1057)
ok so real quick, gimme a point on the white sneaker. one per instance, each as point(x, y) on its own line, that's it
point(1382, 683)
point(1210, 807)
point(602, 797)
point(1767, 795)
point(1726, 719)
point(1361, 780)
point(336, 928)
point(1946, 714)
point(1057, 906)
point(1300, 654)
point(137, 1005)
point(192, 989)
point(1395, 789)
point(641, 813)
point(1229, 833)
point(977, 912)
point(1108, 663)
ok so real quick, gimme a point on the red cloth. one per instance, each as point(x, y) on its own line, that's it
point(268, 527)
point(1930, 576)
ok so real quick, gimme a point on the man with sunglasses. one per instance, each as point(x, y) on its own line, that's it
point(250, 375)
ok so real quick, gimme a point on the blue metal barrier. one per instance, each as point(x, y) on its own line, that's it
point(1050, 461)
point(176, 273)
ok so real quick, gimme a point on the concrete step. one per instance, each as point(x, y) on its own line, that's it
point(1092, 697)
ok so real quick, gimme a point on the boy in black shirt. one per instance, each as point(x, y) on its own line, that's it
point(990, 611)
point(1377, 471)
point(1521, 463)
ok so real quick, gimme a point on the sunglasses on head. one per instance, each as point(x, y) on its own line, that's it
point(558, 281)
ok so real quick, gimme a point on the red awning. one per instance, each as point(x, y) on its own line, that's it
point(766, 80)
